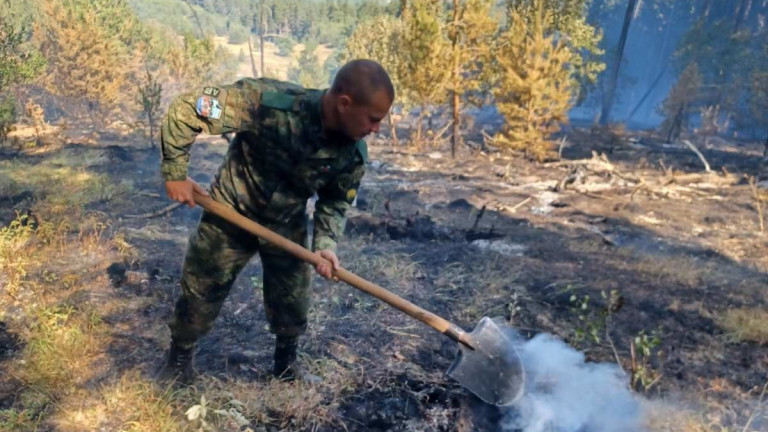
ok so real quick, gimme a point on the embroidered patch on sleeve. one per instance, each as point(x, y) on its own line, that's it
point(208, 107)
point(211, 91)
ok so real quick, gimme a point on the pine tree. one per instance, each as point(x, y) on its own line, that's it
point(425, 66)
point(471, 32)
point(308, 72)
point(19, 64)
point(678, 105)
point(86, 53)
point(379, 39)
point(534, 90)
point(569, 19)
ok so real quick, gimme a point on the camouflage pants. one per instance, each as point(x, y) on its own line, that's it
point(216, 254)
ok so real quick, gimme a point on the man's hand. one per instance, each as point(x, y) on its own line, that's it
point(323, 269)
point(183, 191)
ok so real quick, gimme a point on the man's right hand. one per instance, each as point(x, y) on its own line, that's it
point(183, 191)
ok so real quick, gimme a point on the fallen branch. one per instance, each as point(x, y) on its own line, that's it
point(148, 194)
point(160, 212)
point(477, 220)
point(698, 153)
point(514, 209)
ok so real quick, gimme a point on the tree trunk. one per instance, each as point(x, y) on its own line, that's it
point(261, 36)
point(393, 129)
point(253, 61)
point(455, 136)
point(151, 119)
point(614, 78)
point(648, 92)
point(765, 150)
point(741, 14)
point(197, 19)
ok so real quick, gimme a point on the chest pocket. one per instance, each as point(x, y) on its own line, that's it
point(318, 169)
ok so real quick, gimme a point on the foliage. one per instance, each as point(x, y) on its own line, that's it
point(424, 67)
point(534, 90)
point(679, 103)
point(723, 46)
point(569, 21)
point(643, 349)
point(326, 21)
point(19, 64)
point(177, 16)
point(199, 61)
point(238, 34)
point(471, 31)
point(7, 115)
point(94, 69)
point(593, 322)
point(378, 39)
point(285, 46)
point(308, 72)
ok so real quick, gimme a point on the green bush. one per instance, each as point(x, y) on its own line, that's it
point(7, 115)
point(238, 35)
point(285, 46)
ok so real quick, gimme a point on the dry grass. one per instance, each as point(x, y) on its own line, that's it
point(682, 270)
point(60, 346)
point(14, 254)
point(130, 404)
point(60, 189)
point(746, 324)
point(396, 271)
point(290, 406)
point(672, 417)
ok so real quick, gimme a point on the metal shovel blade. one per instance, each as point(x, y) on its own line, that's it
point(493, 371)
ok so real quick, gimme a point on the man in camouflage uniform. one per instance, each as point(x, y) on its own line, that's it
point(290, 143)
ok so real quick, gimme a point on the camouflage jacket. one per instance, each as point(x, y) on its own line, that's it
point(279, 157)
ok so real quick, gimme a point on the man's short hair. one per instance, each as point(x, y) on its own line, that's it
point(361, 79)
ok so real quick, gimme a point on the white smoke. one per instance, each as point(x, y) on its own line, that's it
point(566, 394)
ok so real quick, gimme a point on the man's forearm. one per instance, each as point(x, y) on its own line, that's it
point(330, 220)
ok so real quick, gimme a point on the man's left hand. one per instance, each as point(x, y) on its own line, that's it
point(325, 270)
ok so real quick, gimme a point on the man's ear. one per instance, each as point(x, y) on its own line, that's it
point(344, 103)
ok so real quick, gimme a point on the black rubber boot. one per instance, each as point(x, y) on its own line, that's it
point(179, 367)
point(286, 355)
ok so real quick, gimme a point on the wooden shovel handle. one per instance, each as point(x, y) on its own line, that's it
point(230, 215)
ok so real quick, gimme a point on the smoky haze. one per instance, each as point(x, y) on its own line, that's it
point(661, 41)
point(564, 393)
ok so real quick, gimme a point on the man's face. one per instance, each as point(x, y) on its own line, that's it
point(360, 120)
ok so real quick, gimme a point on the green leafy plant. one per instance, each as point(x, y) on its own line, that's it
point(149, 98)
point(643, 349)
point(594, 320)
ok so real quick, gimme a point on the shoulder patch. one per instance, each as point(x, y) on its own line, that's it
point(208, 107)
point(362, 148)
point(211, 91)
point(277, 100)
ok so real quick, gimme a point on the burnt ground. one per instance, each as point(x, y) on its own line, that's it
point(481, 235)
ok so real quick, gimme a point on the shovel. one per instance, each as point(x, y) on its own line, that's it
point(487, 363)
